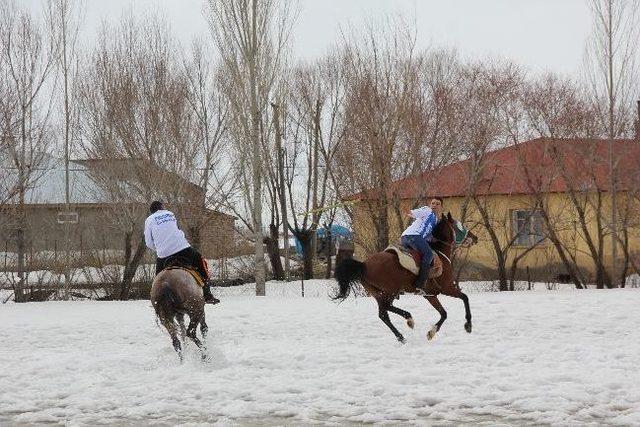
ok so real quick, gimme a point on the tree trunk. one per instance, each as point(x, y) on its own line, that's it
point(329, 247)
point(502, 274)
point(512, 275)
point(273, 250)
point(19, 289)
point(306, 241)
point(130, 268)
point(281, 190)
point(195, 237)
point(514, 266)
point(382, 228)
point(500, 256)
point(256, 158)
point(626, 261)
point(571, 268)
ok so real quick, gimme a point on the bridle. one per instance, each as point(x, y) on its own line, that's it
point(453, 234)
point(453, 244)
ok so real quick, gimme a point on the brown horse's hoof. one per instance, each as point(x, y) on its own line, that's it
point(467, 327)
point(432, 333)
point(410, 323)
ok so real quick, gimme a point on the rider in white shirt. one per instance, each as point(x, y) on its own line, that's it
point(418, 235)
point(161, 234)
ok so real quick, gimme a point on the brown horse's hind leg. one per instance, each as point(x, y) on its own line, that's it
point(383, 307)
point(433, 300)
point(407, 316)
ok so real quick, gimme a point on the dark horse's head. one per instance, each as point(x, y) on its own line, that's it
point(451, 233)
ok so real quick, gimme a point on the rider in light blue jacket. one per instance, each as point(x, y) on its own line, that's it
point(418, 235)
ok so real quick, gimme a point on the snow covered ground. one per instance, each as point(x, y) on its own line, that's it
point(559, 358)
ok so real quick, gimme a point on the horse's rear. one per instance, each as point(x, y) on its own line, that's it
point(175, 293)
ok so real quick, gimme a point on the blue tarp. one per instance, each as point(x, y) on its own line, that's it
point(336, 231)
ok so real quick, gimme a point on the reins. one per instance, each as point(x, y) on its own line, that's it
point(452, 244)
point(445, 257)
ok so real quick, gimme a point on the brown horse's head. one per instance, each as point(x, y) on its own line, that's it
point(450, 233)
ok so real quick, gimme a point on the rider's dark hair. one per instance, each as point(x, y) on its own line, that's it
point(438, 198)
point(156, 206)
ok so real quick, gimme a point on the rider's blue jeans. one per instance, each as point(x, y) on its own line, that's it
point(419, 244)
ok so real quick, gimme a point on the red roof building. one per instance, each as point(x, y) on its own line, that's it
point(543, 164)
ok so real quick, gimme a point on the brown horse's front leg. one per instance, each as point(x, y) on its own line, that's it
point(433, 300)
point(457, 293)
point(383, 314)
point(467, 309)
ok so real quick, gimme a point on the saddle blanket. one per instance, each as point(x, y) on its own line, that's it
point(411, 260)
point(193, 273)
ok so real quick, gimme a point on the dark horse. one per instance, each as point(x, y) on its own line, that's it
point(384, 279)
point(174, 293)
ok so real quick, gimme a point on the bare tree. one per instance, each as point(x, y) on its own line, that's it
point(491, 92)
point(208, 135)
point(558, 109)
point(612, 59)
point(381, 90)
point(251, 36)
point(67, 22)
point(316, 99)
point(29, 50)
point(138, 121)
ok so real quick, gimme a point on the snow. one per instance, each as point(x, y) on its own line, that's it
point(559, 358)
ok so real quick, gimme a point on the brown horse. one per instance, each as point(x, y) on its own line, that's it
point(385, 279)
point(174, 293)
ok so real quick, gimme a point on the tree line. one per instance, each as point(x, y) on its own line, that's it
point(281, 143)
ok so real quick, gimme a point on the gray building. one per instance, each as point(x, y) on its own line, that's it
point(108, 204)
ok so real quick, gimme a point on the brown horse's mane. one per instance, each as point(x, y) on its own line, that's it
point(442, 234)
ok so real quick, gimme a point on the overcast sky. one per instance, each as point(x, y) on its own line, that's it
point(539, 34)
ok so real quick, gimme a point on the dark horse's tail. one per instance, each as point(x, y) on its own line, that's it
point(166, 305)
point(348, 272)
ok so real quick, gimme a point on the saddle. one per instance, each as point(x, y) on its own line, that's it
point(410, 260)
point(192, 272)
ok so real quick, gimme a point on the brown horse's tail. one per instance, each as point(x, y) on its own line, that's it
point(348, 273)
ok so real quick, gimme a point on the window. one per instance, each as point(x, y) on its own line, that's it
point(527, 227)
point(70, 217)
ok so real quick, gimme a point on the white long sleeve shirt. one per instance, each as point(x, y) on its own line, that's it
point(423, 224)
point(161, 234)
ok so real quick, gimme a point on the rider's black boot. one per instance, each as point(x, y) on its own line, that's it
point(421, 282)
point(208, 296)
